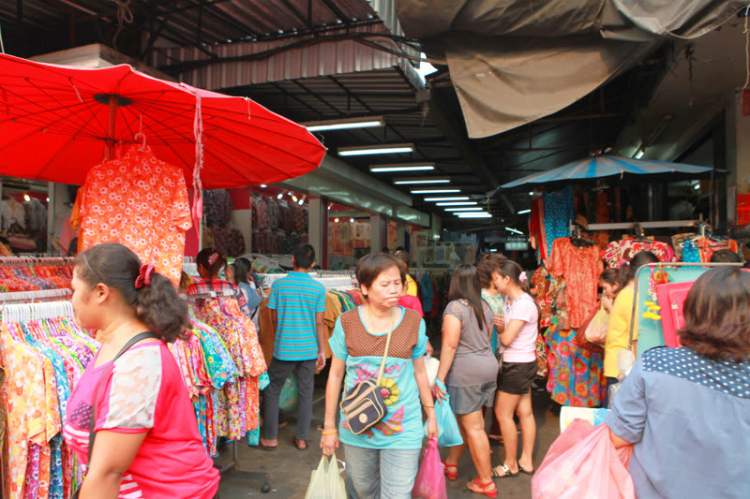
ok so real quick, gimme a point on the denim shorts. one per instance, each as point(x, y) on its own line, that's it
point(468, 399)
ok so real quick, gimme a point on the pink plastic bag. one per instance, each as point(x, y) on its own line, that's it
point(583, 463)
point(430, 483)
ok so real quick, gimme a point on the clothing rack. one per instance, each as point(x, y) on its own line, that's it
point(26, 296)
point(29, 311)
point(232, 465)
point(667, 224)
point(17, 261)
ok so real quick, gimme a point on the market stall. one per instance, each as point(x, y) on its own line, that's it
point(135, 144)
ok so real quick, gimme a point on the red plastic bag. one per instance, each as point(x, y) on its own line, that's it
point(583, 463)
point(430, 483)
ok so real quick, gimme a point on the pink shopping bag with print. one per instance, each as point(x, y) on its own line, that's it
point(430, 482)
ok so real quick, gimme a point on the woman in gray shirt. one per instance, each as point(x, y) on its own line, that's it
point(468, 368)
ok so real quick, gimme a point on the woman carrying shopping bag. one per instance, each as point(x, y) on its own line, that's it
point(468, 368)
point(379, 344)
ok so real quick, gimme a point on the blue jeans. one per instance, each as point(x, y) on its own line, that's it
point(382, 473)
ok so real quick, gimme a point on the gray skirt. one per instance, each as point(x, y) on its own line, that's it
point(468, 399)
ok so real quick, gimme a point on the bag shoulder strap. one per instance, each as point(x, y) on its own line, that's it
point(385, 354)
point(92, 434)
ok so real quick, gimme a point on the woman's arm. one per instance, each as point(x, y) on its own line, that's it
point(423, 384)
point(113, 454)
point(510, 332)
point(617, 441)
point(451, 336)
point(329, 442)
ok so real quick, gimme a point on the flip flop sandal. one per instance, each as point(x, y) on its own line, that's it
point(492, 494)
point(506, 470)
point(520, 468)
point(260, 446)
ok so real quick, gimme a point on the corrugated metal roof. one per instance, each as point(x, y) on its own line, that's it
point(212, 21)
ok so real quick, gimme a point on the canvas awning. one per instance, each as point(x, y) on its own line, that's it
point(514, 61)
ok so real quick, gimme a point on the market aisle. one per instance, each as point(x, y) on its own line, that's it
point(290, 469)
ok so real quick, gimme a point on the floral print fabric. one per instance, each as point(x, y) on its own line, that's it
point(619, 252)
point(139, 201)
point(575, 374)
point(581, 268)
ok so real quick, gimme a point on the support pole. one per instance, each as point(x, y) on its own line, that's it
point(109, 142)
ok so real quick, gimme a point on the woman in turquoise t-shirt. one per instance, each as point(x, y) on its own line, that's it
point(383, 461)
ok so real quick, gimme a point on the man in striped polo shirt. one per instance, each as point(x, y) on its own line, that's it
point(297, 306)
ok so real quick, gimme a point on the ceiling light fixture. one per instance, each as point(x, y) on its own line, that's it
point(514, 231)
point(422, 180)
point(639, 154)
point(26, 197)
point(294, 198)
point(263, 186)
point(281, 195)
point(524, 212)
point(448, 198)
point(336, 220)
point(402, 167)
point(435, 191)
point(345, 124)
point(351, 220)
point(473, 215)
point(376, 149)
point(458, 203)
point(473, 208)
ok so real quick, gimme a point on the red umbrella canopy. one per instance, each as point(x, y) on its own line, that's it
point(56, 122)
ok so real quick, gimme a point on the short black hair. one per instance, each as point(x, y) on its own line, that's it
point(304, 256)
point(725, 256)
point(369, 267)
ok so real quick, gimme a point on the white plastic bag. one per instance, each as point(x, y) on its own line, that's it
point(326, 482)
point(432, 365)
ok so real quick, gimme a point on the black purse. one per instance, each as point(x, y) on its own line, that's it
point(364, 405)
point(92, 434)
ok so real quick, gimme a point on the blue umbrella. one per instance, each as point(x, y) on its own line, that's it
point(597, 167)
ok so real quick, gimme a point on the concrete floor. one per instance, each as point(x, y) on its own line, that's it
point(289, 469)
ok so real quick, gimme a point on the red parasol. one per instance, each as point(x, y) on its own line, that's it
point(56, 122)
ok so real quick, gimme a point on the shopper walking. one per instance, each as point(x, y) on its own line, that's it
point(518, 335)
point(687, 409)
point(297, 305)
point(382, 461)
point(132, 397)
point(621, 317)
point(468, 368)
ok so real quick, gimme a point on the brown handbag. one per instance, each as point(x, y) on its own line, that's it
point(580, 338)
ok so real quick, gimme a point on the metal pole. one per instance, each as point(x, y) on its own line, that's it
point(109, 141)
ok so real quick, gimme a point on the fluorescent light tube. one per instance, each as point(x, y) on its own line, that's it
point(524, 212)
point(473, 215)
point(434, 191)
point(474, 208)
point(448, 198)
point(376, 149)
point(346, 124)
point(422, 180)
point(402, 167)
point(514, 231)
point(458, 203)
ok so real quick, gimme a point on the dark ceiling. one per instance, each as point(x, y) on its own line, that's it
point(592, 124)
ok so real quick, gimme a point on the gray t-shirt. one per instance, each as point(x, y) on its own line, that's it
point(474, 363)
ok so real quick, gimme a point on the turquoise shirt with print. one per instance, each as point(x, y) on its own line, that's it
point(402, 426)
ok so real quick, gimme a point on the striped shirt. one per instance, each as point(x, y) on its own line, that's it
point(296, 299)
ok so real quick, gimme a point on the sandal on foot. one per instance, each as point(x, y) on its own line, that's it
point(451, 475)
point(520, 469)
point(300, 444)
point(483, 488)
point(506, 472)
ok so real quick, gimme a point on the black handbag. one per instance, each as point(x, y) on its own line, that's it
point(364, 405)
point(92, 434)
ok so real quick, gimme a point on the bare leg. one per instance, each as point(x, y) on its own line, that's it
point(528, 432)
point(455, 452)
point(505, 406)
point(479, 445)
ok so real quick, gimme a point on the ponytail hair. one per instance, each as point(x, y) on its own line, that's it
point(156, 304)
point(509, 268)
point(212, 260)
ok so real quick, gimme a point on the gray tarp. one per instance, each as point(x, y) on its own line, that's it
point(514, 61)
